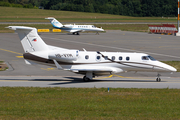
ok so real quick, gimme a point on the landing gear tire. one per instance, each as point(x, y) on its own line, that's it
point(158, 79)
point(86, 79)
point(77, 33)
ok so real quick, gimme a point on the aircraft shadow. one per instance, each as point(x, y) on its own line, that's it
point(73, 80)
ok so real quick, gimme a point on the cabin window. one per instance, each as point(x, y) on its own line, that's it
point(98, 57)
point(113, 58)
point(106, 57)
point(127, 58)
point(77, 53)
point(87, 57)
point(120, 58)
point(145, 58)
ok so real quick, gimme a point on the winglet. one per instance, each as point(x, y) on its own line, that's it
point(57, 65)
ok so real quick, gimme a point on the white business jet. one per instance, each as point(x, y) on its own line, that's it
point(88, 63)
point(75, 29)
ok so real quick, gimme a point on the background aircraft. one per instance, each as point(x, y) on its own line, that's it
point(75, 29)
point(88, 63)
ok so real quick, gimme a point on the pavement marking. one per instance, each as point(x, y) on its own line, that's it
point(19, 56)
point(11, 51)
point(112, 76)
point(48, 69)
point(121, 76)
point(104, 77)
point(114, 47)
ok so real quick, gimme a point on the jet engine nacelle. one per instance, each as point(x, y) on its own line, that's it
point(66, 55)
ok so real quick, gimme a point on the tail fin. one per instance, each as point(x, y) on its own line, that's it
point(54, 22)
point(30, 40)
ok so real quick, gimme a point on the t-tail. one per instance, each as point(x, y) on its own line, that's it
point(54, 22)
point(29, 38)
point(31, 42)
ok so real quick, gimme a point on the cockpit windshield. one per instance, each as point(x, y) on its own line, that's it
point(151, 58)
point(145, 58)
point(148, 57)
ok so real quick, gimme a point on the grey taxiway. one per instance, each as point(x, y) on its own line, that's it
point(161, 47)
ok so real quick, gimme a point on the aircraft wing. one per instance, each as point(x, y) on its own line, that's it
point(96, 69)
point(88, 68)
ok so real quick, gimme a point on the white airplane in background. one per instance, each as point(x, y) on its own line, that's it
point(88, 63)
point(75, 29)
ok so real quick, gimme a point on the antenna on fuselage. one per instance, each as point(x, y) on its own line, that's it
point(84, 50)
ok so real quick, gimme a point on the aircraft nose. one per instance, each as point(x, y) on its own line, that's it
point(102, 30)
point(170, 68)
point(164, 67)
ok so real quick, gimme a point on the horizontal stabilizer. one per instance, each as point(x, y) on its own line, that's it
point(30, 39)
point(29, 62)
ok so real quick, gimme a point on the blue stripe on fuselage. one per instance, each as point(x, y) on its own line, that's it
point(78, 29)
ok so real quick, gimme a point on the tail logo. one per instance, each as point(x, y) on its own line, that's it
point(34, 39)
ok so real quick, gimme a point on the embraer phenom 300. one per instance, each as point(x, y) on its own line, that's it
point(88, 63)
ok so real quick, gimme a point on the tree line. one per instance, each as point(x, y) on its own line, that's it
point(136, 8)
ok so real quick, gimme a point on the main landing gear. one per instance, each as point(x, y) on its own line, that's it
point(88, 77)
point(77, 33)
point(158, 79)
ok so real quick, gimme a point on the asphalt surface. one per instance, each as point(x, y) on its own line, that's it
point(161, 47)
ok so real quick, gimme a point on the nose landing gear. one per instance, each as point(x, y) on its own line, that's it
point(158, 79)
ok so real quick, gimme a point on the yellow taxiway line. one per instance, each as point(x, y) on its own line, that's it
point(11, 51)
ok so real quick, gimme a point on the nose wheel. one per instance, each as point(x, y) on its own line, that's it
point(158, 79)
point(97, 33)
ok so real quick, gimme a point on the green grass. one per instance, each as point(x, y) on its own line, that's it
point(3, 66)
point(123, 27)
point(88, 103)
point(10, 14)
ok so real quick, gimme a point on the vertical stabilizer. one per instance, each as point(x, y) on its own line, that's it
point(30, 39)
point(54, 22)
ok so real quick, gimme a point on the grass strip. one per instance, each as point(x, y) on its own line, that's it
point(88, 103)
point(123, 27)
point(3, 66)
point(10, 14)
